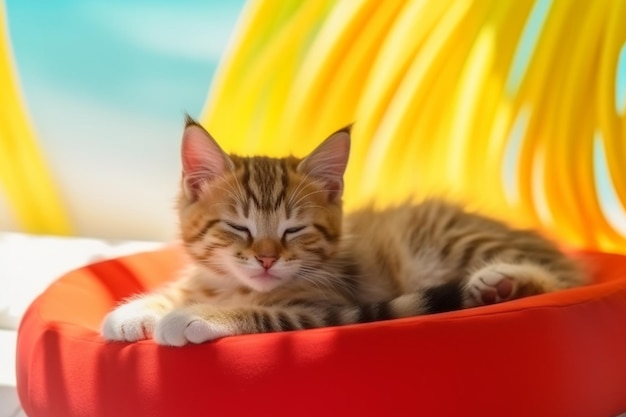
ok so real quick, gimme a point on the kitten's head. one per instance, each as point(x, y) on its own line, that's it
point(261, 222)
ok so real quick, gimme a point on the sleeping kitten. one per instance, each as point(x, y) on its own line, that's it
point(270, 253)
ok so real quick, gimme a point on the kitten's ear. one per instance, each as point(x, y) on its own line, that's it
point(203, 159)
point(328, 162)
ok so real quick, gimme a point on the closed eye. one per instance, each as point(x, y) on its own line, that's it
point(293, 230)
point(238, 227)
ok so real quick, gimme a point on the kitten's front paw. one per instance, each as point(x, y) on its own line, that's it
point(129, 322)
point(181, 327)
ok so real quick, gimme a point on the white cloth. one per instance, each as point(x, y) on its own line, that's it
point(29, 263)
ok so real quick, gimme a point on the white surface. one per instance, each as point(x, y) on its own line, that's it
point(28, 264)
point(8, 340)
point(9, 404)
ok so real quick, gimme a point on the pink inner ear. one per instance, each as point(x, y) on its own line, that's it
point(328, 163)
point(202, 158)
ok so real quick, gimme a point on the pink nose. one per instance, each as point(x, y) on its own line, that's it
point(266, 261)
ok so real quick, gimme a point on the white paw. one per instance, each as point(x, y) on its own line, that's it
point(181, 327)
point(491, 285)
point(130, 322)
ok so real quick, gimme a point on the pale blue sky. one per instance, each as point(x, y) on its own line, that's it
point(106, 84)
point(154, 57)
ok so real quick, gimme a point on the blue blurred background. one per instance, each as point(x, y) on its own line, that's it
point(106, 84)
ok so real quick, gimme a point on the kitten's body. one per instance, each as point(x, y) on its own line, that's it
point(271, 254)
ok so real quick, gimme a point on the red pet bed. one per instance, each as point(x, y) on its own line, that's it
point(561, 354)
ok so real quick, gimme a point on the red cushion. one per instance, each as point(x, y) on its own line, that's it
point(561, 354)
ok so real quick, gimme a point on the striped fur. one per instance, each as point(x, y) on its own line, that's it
point(272, 252)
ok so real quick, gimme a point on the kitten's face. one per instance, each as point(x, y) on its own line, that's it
point(261, 222)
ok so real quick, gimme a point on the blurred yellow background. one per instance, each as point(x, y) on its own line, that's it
point(515, 108)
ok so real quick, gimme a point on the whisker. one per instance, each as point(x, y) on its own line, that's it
point(242, 194)
point(312, 274)
point(298, 189)
point(304, 206)
point(224, 204)
point(230, 192)
point(309, 194)
point(313, 172)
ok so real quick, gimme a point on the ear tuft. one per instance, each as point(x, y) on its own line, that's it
point(202, 158)
point(328, 162)
point(189, 121)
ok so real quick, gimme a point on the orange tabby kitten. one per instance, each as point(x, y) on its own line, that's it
point(271, 253)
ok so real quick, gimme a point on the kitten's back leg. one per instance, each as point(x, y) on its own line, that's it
point(502, 281)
